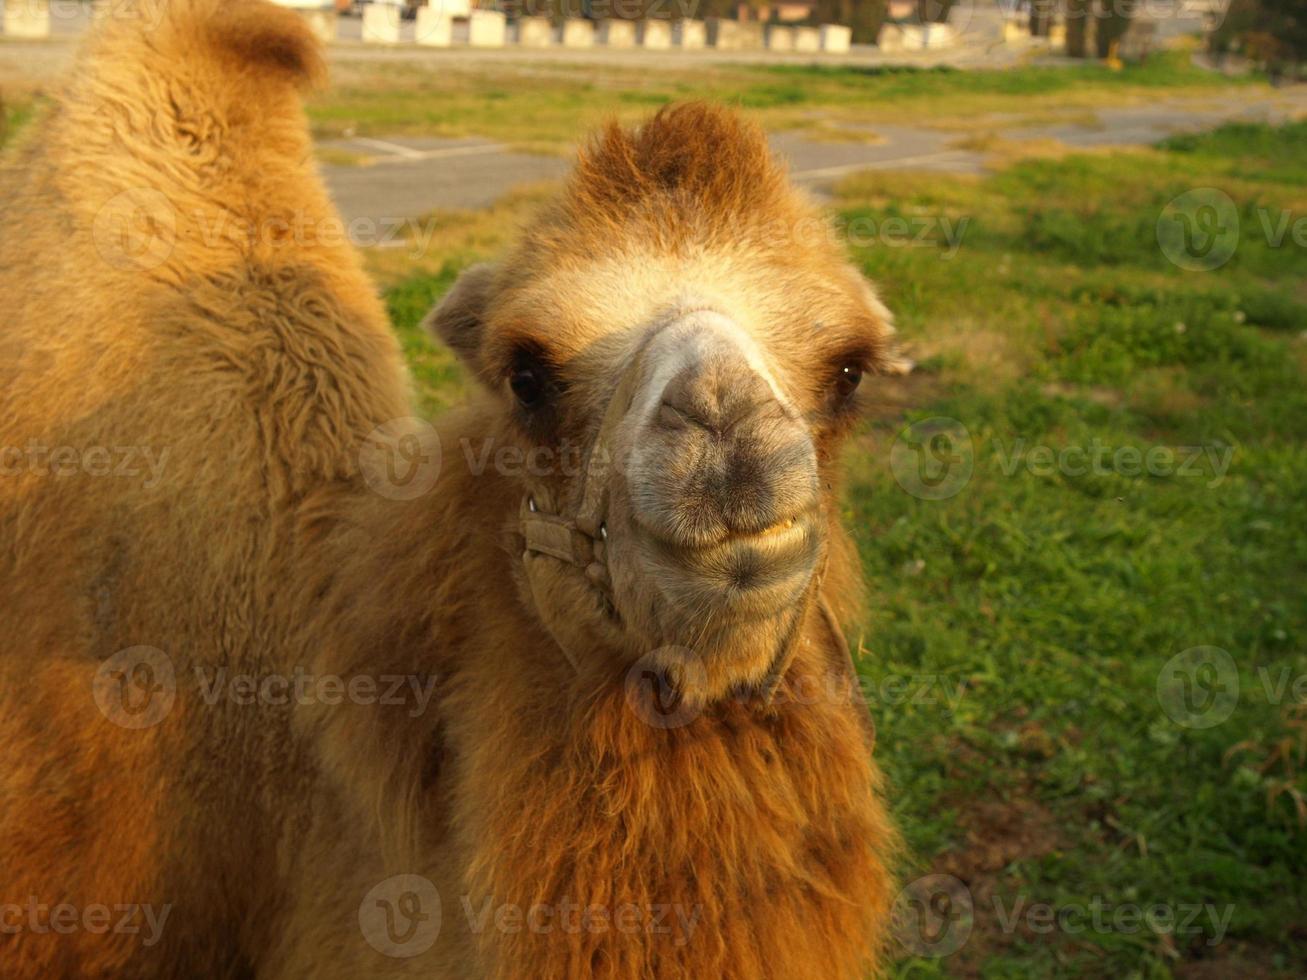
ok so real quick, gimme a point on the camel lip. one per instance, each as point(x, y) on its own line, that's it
point(740, 576)
point(774, 540)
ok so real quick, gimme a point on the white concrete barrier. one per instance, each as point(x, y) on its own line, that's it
point(690, 34)
point(733, 35)
point(915, 37)
point(577, 33)
point(1015, 31)
point(891, 39)
point(27, 18)
point(807, 39)
point(780, 38)
point(656, 35)
point(434, 27)
point(322, 22)
point(487, 29)
point(535, 32)
point(835, 38)
point(381, 23)
point(616, 33)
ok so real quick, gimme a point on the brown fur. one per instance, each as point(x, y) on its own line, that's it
point(260, 364)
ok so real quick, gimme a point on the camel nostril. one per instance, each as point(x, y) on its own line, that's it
point(714, 393)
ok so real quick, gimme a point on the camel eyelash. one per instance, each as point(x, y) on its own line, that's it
point(536, 386)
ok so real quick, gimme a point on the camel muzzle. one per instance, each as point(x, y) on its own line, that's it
point(719, 478)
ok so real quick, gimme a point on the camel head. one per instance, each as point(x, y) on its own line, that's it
point(677, 347)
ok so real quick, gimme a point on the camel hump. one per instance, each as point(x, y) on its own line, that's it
point(177, 145)
point(250, 38)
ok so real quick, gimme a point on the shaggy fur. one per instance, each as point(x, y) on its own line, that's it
point(258, 359)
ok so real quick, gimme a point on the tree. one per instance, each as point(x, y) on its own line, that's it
point(1272, 32)
point(934, 11)
point(1041, 17)
point(1079, 33)
point(865, 17)
point(1113, 20)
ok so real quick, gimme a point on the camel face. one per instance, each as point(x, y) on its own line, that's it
point(690, 366)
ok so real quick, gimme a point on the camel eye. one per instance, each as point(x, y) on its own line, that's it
point(528, 384)
point(532, 379)
point(847, 381)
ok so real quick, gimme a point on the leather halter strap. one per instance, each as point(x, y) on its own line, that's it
point(582, 540)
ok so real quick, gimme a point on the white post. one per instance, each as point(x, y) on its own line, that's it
point(835, 38)
point(690, 34)
point(487, 29)
point(617, 33)
point(535, 32)
point(27, 18)
point(807, 39)
point(780, 38)
point(656, 35)
point(577, 34)
point(381, 23)
point(434, 27)
point(322, 22)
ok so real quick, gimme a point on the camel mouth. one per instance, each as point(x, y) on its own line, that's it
point(736, 576)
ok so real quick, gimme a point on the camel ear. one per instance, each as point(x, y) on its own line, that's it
point(459, 318)
point(892, 359)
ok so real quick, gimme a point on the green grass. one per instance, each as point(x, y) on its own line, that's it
point(1047, 600)
point(13, 117)
point(1170, 69)
point(1059, 596)
point(546, 105)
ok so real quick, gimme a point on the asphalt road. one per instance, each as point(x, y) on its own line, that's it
point(404, 178)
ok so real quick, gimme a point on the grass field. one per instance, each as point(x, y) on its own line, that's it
point(1133, 437)
point(545, 106)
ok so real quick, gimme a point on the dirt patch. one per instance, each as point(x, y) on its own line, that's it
point(1242, 960)
point(999, 832)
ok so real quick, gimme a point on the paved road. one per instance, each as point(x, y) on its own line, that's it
point(405, 178)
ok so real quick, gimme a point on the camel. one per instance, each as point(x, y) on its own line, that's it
point(296, 685)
